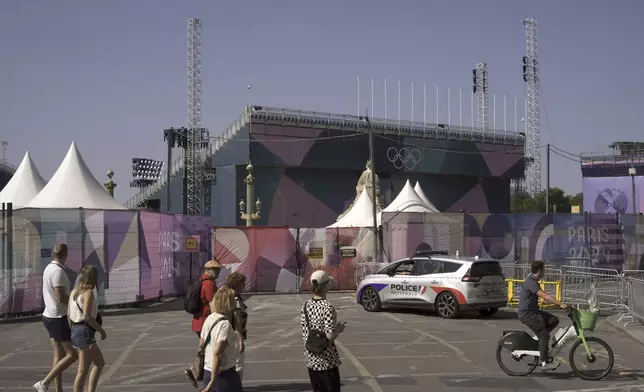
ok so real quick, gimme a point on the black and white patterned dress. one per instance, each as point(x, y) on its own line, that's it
point(322, 317)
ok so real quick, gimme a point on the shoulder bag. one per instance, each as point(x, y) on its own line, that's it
point(316, 341)
point(198, 363)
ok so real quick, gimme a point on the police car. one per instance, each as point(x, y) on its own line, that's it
point(437, 281)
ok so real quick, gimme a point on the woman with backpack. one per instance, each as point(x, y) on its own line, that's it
point(206, 294)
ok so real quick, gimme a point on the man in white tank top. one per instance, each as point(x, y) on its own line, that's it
point(55, 291)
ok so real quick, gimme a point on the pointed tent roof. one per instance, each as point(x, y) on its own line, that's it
point(419, 191)
point(74, 186)
point(360, 214)
point(408, 201)
point(24, 185)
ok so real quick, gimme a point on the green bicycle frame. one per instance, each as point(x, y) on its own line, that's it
point(580, 332)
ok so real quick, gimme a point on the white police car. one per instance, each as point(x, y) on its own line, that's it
point(435, 280)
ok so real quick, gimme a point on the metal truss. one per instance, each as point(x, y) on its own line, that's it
point(194, 157)
point(533, 136)
point(482, 97)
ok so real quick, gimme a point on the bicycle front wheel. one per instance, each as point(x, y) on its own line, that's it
point(583, 363)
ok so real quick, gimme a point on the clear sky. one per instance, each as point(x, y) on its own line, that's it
point(111, 75)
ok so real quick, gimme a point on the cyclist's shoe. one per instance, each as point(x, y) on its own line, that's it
point(548, 366)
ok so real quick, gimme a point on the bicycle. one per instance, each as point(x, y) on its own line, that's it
point(522, 345)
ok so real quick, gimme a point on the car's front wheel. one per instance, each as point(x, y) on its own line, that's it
point(370, 300)
point(447, 305)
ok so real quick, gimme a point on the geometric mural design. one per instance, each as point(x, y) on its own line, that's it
point(282, 259)
point(139, 255)
point(142, 256)
point(306, 176)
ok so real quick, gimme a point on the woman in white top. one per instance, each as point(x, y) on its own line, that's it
point(82, 311)
point(221, 346)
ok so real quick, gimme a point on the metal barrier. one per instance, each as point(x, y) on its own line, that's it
point(635, 308)
point(514, 290)
point(608, 282)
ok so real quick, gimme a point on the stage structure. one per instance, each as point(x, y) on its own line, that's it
point(306, 165)
point(614, 183)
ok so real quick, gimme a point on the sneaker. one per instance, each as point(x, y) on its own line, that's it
point(191, 378)
point(549, 365)
point(40, 387)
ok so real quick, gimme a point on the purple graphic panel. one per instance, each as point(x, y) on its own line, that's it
point(188, 263)
point(150, 254)
point(609, 195)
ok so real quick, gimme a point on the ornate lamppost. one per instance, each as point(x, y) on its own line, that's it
point(246, 207)
point(110, 185)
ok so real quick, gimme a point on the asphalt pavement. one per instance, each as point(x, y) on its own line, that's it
point(147, 349)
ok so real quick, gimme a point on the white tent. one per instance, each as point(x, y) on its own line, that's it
point(421, 194)
point(360, 214)
point(408, 201)
point(24, 185)
point(74, 186)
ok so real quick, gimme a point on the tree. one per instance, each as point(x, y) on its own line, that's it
point(560, 202)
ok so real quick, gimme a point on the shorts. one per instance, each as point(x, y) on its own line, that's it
point(82, 336)
point(58, 328)
point(226, 381)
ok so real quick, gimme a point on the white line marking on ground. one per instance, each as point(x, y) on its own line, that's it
point(391, 316)
point(119, 361)
point(182, 385)
point(617, 388)
point(6, 356)
point(133, 376)
point(369, 380)
point(459, 353)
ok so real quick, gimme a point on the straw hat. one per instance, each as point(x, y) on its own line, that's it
point(212, 264)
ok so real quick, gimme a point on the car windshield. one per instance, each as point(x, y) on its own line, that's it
point(388, 268)
point(486, 268)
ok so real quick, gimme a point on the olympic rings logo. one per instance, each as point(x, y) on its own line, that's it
point(404, 157)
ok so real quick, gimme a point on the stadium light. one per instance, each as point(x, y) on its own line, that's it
point(145, 172)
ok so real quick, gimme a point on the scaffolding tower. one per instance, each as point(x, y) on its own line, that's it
point(480, 89)
point(533, 134)
point(194, 157)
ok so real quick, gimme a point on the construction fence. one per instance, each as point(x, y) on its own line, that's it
point(139, 255)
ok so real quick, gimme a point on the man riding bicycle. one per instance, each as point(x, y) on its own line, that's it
point(540, 322)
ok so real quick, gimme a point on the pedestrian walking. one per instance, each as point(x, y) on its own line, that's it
point(83, 314)
point(237, 282)
point(220, 347)
point(55, 291)
point(320, 329)
point(206, 293)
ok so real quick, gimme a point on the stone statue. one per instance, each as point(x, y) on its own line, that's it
point(365, 182)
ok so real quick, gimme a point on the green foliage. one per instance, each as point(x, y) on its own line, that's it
point(559, 202)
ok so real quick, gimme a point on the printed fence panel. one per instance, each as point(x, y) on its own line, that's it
point(406, 233)
point(120, 250)
point(633, 236)
point(489, 236)
point(188, 264)
point(266, 256)
point(534, 237)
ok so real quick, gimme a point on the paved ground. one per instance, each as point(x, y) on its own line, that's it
point(146, 350)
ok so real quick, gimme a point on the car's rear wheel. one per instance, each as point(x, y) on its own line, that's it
point(447, 305)
point(370, 300)
point(487, 312)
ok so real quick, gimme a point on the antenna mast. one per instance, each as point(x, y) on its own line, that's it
point(533, 136)
point(3, 157)
point(194, 145)
point(480, 89)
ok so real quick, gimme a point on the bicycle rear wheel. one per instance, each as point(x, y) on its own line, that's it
point(525, 364)
point(600, 351)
